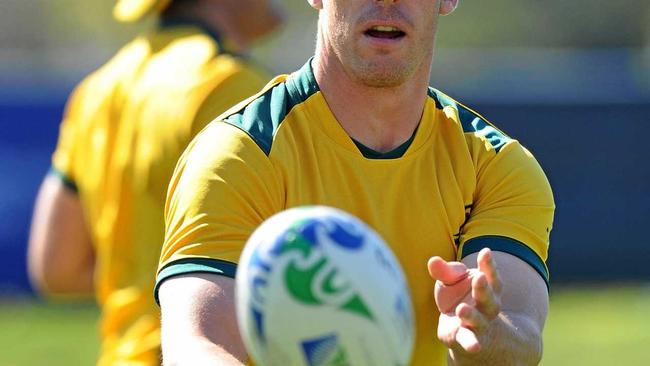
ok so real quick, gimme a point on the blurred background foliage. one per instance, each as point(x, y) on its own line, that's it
point(70, 37)
point(509, 23)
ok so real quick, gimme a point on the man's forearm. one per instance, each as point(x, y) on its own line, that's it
point(199, 351)
point(510, 340)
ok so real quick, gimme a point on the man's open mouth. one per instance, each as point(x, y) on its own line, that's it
point(383, 31)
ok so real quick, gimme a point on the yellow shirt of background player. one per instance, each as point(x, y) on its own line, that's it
point(457, 186)
point(123, 131)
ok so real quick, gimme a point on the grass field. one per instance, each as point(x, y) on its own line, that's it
point(587, 326)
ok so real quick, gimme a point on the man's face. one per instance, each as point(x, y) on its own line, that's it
point(380, 43)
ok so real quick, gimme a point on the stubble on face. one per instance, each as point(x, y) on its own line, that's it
point(378, 68)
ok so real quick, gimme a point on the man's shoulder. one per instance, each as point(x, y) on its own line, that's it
point(261, 115)
point(120, 69)
point(178, 57)
point(472, 123)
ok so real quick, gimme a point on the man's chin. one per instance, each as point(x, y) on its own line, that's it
point(383, 81)
point(385, 75)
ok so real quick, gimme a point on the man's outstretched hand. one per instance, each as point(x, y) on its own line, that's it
point(468, 300)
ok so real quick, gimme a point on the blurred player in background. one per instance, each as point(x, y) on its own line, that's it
point(98, 220)
point(359, 129)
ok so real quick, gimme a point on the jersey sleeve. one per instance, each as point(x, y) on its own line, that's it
point(63, 158)
point(223, 188)
point(513, 205)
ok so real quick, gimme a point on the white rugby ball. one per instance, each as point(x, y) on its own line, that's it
point(317, 286)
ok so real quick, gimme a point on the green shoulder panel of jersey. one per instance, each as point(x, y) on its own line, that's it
point(261, 116)
point(471, 121)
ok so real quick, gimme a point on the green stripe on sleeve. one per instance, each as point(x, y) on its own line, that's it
point(69, 183)
point(510, 246)
point(194, 265)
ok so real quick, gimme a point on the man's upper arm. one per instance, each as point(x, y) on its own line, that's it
point(60, 253)
point(513, 208)
point(201, 308)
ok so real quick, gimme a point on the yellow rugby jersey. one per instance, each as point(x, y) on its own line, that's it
point(124, 128)
point(458, 185)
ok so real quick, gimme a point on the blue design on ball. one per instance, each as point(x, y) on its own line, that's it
point(278, 244)
point(257, 261)
point(258, 317)
point(319, 350)
point(258, 283)
point(341, 232)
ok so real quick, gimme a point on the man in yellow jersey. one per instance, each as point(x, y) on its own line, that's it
point(98, 223)
point(466, 209)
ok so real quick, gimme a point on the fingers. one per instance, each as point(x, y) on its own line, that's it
point(487, 265)
point(449, 296)
point(485, 298)
point(463, 325)
point(463, 329)
point(449, 273)
point(467, 339)
point(471, 318)
point(453, 334)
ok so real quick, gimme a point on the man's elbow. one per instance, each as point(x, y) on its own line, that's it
point(534, 342)
point(55, 280)
point(536, 351)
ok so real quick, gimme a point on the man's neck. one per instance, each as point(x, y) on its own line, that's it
point(214, 17)
point(379, 118)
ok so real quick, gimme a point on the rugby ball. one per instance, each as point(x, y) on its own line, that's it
point(317, 286)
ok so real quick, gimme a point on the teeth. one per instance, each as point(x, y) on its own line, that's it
point(383, 28)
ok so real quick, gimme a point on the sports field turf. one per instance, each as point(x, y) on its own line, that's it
point(587, 326)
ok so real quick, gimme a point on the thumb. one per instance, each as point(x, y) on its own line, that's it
point(449, 273)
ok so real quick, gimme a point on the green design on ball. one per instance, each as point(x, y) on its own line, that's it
point(340, 358)
point(301, 280)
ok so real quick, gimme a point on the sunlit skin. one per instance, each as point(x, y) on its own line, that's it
point(354, 39)
point(373, 60)
point(468, 299)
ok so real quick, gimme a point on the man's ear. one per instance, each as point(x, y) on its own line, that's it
point(446, 6)
point(318, 4)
